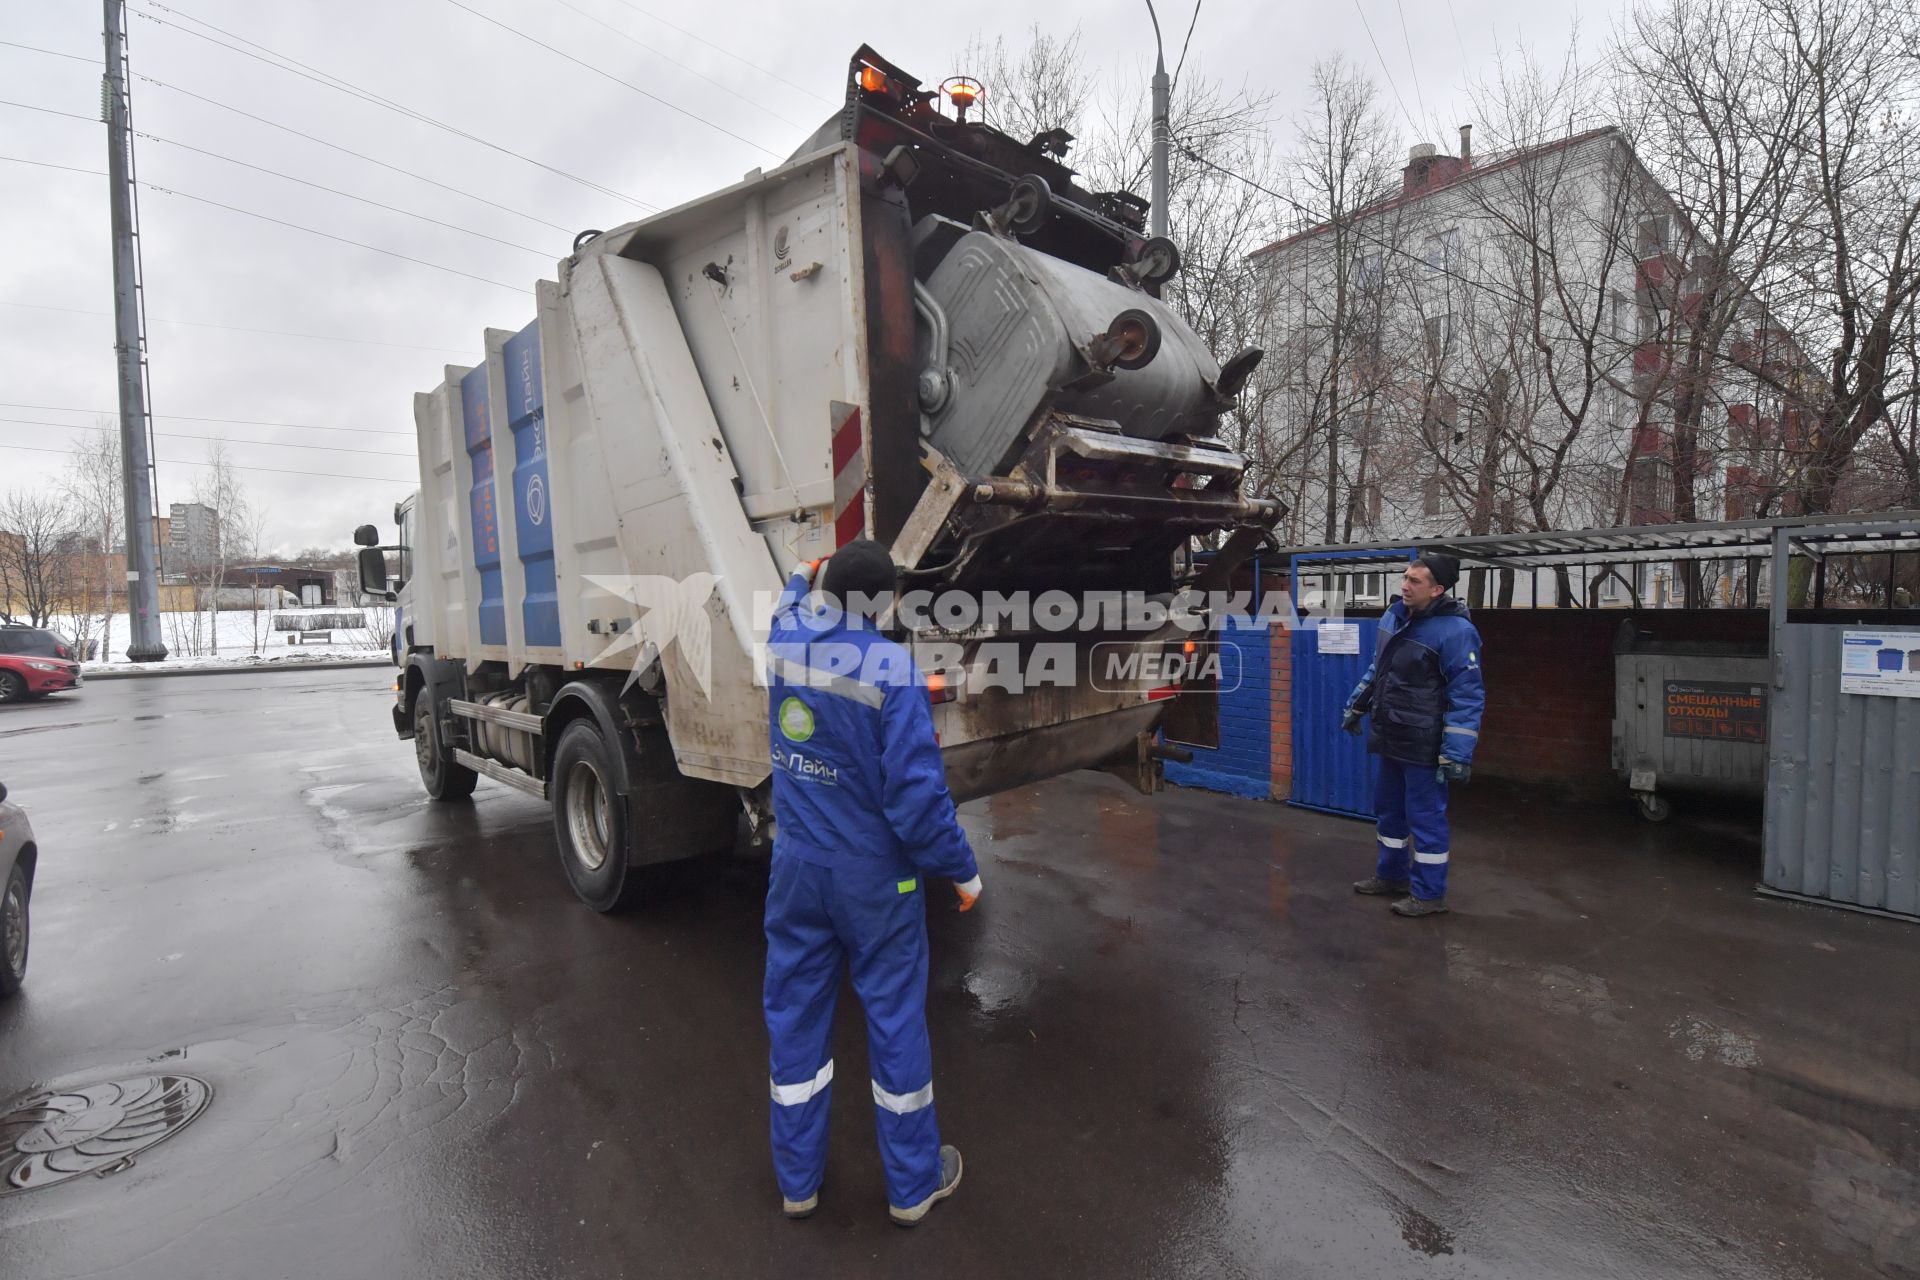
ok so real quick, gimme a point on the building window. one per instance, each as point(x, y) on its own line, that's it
point(1368, 587)
point(1363, 503)
point(1443, 251)
point(1624, 319)
point(1430, 495)
point(1368, 272)
point(1439, 334)
point(1649, 484)
point(1653, 237)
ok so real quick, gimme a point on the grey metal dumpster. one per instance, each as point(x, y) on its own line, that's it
point(1689, 717)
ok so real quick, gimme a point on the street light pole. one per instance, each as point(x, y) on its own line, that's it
point(143, 582)
point(1162, 93)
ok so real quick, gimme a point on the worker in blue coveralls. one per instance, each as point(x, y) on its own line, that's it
point(863, 820)
point(1425, 695)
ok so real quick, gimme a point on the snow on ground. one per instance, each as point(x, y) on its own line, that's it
point(282, 656)
point(245, 639)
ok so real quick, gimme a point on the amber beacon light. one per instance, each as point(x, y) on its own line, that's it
point(963, 92)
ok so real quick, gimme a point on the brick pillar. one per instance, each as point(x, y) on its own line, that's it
point(1281, 701)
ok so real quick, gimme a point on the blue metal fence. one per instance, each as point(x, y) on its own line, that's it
point(1243, 763)
point(1331, 770)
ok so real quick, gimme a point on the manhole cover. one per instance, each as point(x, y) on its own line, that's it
point(57, 1136)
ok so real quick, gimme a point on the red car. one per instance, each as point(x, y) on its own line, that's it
point(35, 663)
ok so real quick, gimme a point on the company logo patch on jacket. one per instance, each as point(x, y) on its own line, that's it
point(804, 768)
point(796, 720)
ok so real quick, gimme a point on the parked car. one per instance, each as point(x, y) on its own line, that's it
point(36, 642)
point(24, 678)
point(18, 857)
point(34, 663)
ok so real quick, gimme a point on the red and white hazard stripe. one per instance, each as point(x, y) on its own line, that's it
point(849, 475)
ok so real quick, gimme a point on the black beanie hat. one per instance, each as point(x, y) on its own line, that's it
point(861, 568)
point(1444, 568)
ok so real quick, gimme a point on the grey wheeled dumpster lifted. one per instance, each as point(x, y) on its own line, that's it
point(1689, 717)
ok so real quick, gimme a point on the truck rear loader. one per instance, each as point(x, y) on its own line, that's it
point(919, 330)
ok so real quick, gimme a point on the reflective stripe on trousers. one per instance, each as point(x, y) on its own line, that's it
point(792, 1095)
point(903, 1103)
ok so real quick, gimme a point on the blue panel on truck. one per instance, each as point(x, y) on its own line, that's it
point(527, 419)
point(1331, 770)
point(480, 505)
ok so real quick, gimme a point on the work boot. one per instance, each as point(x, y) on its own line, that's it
point(949, 1179)
point(800, 1208)
point(1412, 906)
point(1375, 887)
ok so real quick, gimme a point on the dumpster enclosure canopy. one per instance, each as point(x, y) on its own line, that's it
point(1842, 800)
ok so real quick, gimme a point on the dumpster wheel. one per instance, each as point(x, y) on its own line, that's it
point(1652, 807)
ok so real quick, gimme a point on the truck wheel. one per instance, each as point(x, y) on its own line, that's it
point(442, 776)
point(590, 820)
point(13, 931)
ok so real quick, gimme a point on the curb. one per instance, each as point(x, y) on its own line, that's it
point(93, 676)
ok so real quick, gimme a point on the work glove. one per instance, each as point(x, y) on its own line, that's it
point(1452, 771)
point(812, 571)
point(1350, 722)
point(969, 892)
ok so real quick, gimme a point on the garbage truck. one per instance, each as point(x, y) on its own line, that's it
point(918, 329)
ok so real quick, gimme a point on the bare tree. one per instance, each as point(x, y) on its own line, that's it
point(1858, 248)
point(37, 543)
point(1720, 101)
point(1329, 294)
point(220, 489)
point(1031, 90)
point(92, 485)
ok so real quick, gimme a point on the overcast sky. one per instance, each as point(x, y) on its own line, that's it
point(349, 403)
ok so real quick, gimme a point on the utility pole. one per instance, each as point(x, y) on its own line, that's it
point(143, 580)
point(1162, 93)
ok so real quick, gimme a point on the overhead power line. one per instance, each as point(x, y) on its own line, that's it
point(325, 235)
point(187, 435)
point(681, 63)
point(608, 75)
point(188, 417)
point(720, 48)
point(293, 66)
point(1384, 69)
point(51, 53)
point(348, 195)
point(242, 328)
point(1406, 38)
point(348, 151)
point(317, 186)
point(71, 115)
point(328, 235)
point(183, 462)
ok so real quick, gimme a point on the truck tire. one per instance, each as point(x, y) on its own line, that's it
point(590, 820)
point(442, 776)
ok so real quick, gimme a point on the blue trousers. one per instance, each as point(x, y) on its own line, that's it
point(820, 922)
point(1411, 805)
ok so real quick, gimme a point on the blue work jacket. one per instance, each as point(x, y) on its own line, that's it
point(857, 776)
point(1424, 688)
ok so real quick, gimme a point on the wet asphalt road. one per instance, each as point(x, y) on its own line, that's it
point(1170, 1042)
